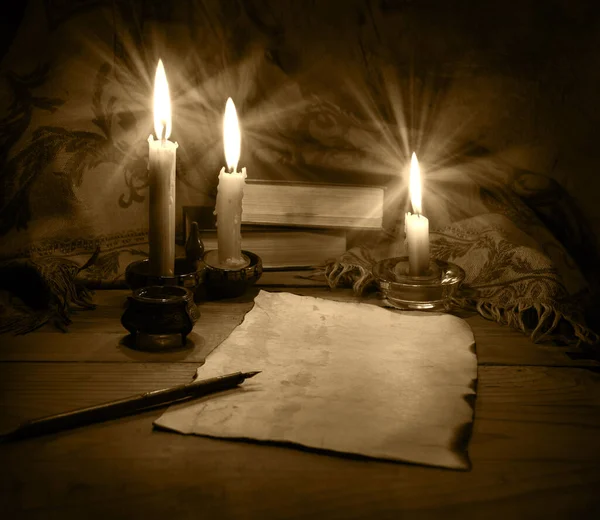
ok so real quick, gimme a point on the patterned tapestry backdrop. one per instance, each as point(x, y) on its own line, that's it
point(338, 90)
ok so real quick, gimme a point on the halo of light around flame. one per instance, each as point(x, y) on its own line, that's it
point(162, 103)
point(415, 184)
point(231, 136)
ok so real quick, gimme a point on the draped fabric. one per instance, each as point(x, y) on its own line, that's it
point(339, 91)
point(517, 272)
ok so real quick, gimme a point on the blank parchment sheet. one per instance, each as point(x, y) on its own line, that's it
point(342, 377)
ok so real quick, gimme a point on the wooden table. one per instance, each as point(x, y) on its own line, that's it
point(535, 447)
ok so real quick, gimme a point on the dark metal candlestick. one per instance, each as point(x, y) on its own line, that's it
point(137, 275)
point(223, 282)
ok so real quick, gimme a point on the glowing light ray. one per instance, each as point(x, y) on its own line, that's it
point(368, 105)
point(396, 101)
point(417, 115)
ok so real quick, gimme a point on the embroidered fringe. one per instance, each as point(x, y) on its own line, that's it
point(541, 321)
point(545, 324)
point(340, 273)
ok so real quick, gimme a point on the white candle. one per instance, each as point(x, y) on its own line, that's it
point(161, 180)
point(230, 193)
point(416, 225)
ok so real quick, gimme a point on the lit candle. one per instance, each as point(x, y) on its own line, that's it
point(230, 194)
point(161, 180)
point(416, 226)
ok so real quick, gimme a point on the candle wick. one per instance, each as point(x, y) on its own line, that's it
point(163, 131)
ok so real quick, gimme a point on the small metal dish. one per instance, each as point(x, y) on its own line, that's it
point(137, 275)
point(160, 317)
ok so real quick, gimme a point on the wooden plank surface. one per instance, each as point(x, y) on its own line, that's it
point(534, 451)
point(534, 448)
point(97, 336)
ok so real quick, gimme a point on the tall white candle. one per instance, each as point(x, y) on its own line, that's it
point(161, 180)
point(416, 225)
point(230, 194)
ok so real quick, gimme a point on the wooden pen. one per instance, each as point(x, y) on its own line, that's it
point(127, 406)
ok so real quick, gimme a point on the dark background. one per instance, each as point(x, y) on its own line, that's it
point(519, 81)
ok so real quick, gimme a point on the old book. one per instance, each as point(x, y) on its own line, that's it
point(287, 248)
point(281, 203)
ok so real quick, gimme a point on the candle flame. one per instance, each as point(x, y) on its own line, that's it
point(415, 184)
point(231, 136)
point(162, 103)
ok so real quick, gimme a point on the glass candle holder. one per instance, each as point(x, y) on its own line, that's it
point(432, 291)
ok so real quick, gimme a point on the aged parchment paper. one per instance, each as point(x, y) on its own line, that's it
point(347, 377)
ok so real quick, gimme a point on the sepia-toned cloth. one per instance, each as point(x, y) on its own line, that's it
point(517, 272)
point(34, 292)
point(75, 119)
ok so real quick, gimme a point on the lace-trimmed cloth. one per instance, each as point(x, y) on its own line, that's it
point(517, 272)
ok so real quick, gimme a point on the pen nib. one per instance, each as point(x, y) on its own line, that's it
point(248, 375)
